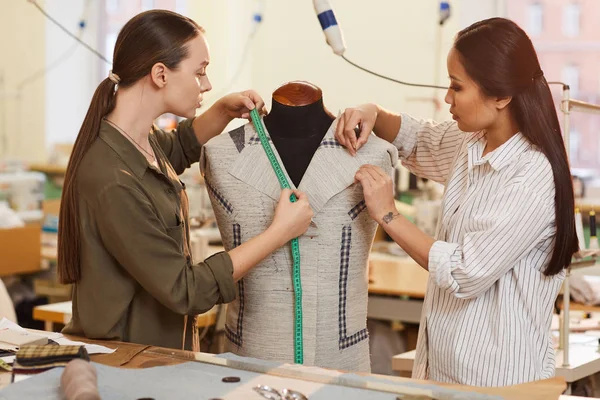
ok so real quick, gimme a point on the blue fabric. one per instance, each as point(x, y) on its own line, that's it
point(197, 380)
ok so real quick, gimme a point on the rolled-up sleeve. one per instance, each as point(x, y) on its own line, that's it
point(520, 220)
point(180, 146)
point(152, 255)
point(222, 268)
point(428, 148)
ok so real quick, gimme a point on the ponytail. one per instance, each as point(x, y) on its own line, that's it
point(69, 239)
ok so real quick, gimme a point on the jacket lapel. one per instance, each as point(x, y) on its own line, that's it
point(253, 167)
point(330, 171)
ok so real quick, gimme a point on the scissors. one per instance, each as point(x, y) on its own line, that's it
point(270, 393)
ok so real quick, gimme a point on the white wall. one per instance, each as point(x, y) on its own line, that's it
point(23, 53)
point(228, 24)
point(51, 108)
point(476, 10)
point(388, 36)
point(69, 88)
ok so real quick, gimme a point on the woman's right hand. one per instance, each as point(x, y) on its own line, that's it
point(291, 219)
point(363, 116)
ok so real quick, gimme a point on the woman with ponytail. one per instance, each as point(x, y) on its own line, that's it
point(506, 230)
point(123, 230)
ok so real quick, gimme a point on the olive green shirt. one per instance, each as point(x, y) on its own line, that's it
point(138, 279)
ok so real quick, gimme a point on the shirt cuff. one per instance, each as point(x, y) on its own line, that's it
point(189, 142)
point(406, 139)
point(443, 259)
point(222, 268)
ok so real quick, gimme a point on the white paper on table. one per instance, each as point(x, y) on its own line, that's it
point(8, 324)
point(59, 338)
point(91, 348)
point(8, 359)
point(22, 377)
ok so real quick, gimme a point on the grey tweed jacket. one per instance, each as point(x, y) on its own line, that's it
point(334, 251)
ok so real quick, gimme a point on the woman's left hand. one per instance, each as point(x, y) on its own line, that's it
point(378, 189)
point(239, 105)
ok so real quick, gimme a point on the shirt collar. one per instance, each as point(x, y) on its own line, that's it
point(134, 159)
point(500, 157)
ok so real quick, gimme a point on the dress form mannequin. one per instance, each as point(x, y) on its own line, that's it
point(297, 123)
point(334, 252)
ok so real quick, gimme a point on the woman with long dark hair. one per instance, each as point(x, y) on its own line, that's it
point(507, 229)
point(123, 238)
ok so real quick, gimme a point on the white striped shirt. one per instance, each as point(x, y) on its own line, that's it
point(488, 308)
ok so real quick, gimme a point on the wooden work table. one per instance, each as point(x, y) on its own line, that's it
point(397, 287)
point(130, 355)
point(396, 276)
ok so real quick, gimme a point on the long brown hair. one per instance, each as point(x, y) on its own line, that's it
point(155, 36)
point(499, 56)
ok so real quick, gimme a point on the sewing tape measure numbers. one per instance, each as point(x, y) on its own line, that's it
point(283, 182)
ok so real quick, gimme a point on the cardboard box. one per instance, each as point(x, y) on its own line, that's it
point(20, 250)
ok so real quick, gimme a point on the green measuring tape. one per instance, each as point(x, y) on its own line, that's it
point(298, 345)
